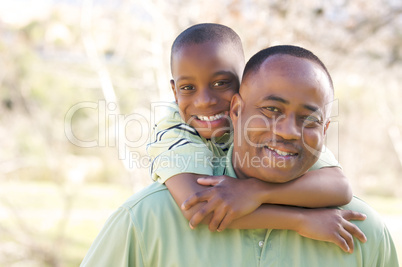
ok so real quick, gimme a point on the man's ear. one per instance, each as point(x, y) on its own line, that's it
point(326, 126)
point(172, 85)
point(236, 105)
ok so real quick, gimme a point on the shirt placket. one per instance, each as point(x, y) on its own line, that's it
point(259, 240)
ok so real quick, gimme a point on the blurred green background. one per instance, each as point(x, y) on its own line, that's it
point(81, 83)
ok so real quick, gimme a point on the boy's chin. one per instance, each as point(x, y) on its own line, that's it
point(208, 134)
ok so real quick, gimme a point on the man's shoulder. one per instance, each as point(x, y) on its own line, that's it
point(373, 226)
point(147, 196)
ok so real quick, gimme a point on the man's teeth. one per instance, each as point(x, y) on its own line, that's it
point(282, 153)
point(210, 118)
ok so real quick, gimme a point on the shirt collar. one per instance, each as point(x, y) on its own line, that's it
point(229, 170)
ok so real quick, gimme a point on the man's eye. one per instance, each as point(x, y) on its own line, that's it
point(311, 121)
point(272, 109)
point(187, 87)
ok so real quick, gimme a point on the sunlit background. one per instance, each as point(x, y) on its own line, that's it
point(80, 81)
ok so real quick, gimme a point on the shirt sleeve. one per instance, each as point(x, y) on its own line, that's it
point(177, 148)
point(116, 245)
point(326, 159)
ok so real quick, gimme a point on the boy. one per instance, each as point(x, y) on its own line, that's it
point(207, 61)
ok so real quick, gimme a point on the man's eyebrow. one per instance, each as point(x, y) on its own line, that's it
point(311, 108)
point(276, 98)
point(284, 101)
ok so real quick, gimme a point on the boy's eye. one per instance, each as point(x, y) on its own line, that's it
point(187, 87)
point(220, 83)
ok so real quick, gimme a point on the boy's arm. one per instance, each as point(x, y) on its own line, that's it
point(330, 225)
point(324, 185)
point(184, 186)
point(177, 148)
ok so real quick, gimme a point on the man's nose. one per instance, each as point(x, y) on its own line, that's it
point(287, 127)
point(205, 98)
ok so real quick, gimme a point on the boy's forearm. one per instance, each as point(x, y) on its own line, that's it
point(181, 187)
point(325, 187)
point(270, 217)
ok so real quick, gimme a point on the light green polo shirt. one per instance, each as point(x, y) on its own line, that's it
point(150, 230)
point(178, 148)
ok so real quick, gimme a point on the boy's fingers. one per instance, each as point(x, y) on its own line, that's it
point(194, 199)
point(209, 180)
point(355, 231)
point(341, 242)
point(351, 215)
point(225, 222)
point(216, 220)
point(348, 239)
point(200, 215)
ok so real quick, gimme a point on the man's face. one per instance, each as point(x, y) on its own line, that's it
point(280, 119)
point(205, 77)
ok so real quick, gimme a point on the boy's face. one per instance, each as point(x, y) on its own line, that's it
point(205, 77)
point(279, 120)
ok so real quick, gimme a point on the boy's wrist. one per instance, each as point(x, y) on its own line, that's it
point(262, 190)
point(298, 221)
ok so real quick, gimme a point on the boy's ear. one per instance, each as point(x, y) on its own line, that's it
point(172, 85)
point(326, 126)
point(236, 105)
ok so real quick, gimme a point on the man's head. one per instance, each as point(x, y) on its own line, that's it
point(281, 115)
point(207, 62)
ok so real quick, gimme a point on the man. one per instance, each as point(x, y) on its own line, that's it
point(280, 115)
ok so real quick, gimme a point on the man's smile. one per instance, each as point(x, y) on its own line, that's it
point(281, 152)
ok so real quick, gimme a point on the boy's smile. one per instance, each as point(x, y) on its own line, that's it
point(205, 77)
point(214, 121)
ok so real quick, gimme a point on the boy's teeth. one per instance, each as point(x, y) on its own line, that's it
point(210, 118)
point(281, 153)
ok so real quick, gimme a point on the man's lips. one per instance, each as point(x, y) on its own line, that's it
point(282, 151)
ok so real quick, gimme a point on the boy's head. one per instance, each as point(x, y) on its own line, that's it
point(207, 61)
point(281, 114)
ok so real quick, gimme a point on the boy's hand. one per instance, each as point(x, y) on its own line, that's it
point(227, 199)
point(332, 225)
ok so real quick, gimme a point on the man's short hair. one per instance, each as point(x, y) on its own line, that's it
point(207, 32)
point(255, 62)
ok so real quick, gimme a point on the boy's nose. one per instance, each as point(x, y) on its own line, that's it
point(205, 98)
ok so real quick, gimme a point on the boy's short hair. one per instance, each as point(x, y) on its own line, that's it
point(207, 32)
point(255, 62)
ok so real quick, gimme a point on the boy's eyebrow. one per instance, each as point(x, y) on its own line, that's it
point(223, 72)
point(184, 78)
